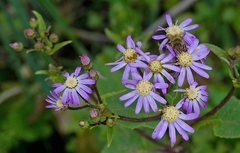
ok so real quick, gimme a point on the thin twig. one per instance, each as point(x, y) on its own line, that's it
point(78, 108)
point(93, 98)
point(139, 71)
point(98, 95)
point(55, 59)
point(123, 118)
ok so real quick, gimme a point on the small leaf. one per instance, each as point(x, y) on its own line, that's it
point(109, 136)
point(58, 79)
point(113, 36)
point(30, 50)
point(112, 94)
point(41, 23)
point(58, 46)
point(42, 72)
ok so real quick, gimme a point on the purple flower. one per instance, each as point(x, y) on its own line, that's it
point(144, 91)
point(84, 59)
point(175, 30)
point(188, 60)
point(173, 117)
point(129, 56)
point(157, 65)
point(56, 102)
point(73, 86)
point(193, 96)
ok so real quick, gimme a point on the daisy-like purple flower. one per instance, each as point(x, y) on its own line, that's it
point(55, 101)
point(193, 96)
point(144, 91)
point(172, 118)
point(174, 30)
point(129, 56)
point(73, 86)
point(188, 60)
point(156, 66)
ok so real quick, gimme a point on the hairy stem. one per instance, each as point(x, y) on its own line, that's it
point(98, 95)
point(123, 118)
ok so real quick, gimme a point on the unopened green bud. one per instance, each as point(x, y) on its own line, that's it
point(52, 69)
point(102, 108)
point(33, 22)
point(43, 33)
point(237, 50)
point(107, 113)
point(38, 46)
point(93, 75)
point(53, 38)
point(94, 115)
point(29, 33)
point(110, 122)
point(46, 49)
point(17, 46)
point(84, 124)
point(231, 52)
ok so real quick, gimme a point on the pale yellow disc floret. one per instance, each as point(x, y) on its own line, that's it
point(174, 31)
point(155, 66)
point(170, 113)
point(185, 59)
point(59, 103)
point(71, 82)
point(144, 87)
point(130, 55)
point(191, 93)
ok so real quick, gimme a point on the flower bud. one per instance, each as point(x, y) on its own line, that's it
point(94, 115)
point(38, 46)
point(102, 108)
point(231, 52)
point(33, 23)
point(52, 69)
point(46, 49)
point(237, 50)
point(53, 38)
point(86, 62)
point(17, 46)
point(107, 113)
point(110, 122)
point(43, 33)
point(84, 124)
point(29, 33)
point(93, 75)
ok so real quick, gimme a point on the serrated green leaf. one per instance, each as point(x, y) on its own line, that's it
point(113, 36)
point(41, 23)
point(109, 135)
point(42, 72)
point(228, 121)
point(59, 46)
point(30, 50)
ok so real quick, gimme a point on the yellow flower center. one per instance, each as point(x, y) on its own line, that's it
point(174, 31)
point(170, 113)
point(71, 82)
point(130, 55)
point(144, 87)
point(192, 93)
point(155, 66)
point(59, 103)
point(185, 59)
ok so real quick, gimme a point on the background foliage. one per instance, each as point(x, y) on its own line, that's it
point(95, 27)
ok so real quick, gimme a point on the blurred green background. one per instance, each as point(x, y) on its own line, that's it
point(95, 27)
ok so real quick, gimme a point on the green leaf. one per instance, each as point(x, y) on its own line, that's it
point(113, 36)
point(58, 79)
point(109, 135)
point(30, 50)
point(42, 72)
point(41, 23)
point(228, 120)
point(59, 46)
point(103, 97)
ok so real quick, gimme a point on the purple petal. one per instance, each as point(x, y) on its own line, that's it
point(77, 71)
point(162, 129)
point(158, 37)
point(145, 104)
point(82, 93)
point(161, 85)
point(200, 71)
point(138, 64)
point(66, 74)
point(172, 133)
point(88, 81)
point(136, 76)
point(56, 84)
point(189, 38)
point(202, 104)
point(130, 42)
point(193, 46)
point(181, 131)
point(185, 126)
point(161, 80)
point(202, 87)
point(179, 90)
point(129, 81)
point(167, 59)
point(196, 107)
point(199, 54)
point(130, 86)
point(51, 98)
point(160, 29)
point(86, 88)
point(139, 44)
point(170, 49)
point(157, 97)
point(172, 67)
point(169, 20)
point(64, 96)
point(152, 103)
point(148, 76)
point(160, 57)
point(203, 66)
point(204, 98)
point(157, 129)
point(126, 72)
point(131, 100)
point(59, 89)
point(119, 66)
point(50, 101)
point(168, 76)
point(190, 116)
point(139, 104)
point(163, 44)
point(185, 23)
point(180, 103)
point(189, 110)
point(114, 63)
point(204, 93)
point(83, 76)
point(181, 76)
point(51, 106)
point(120, 48)
point(191, 27)
point(189, 75)
point(75, 97)
point(128, 95)
point(143, 54)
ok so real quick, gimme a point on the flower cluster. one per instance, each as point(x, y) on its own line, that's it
point(183, 54)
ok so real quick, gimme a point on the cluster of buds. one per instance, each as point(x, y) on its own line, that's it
point(234, 52)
